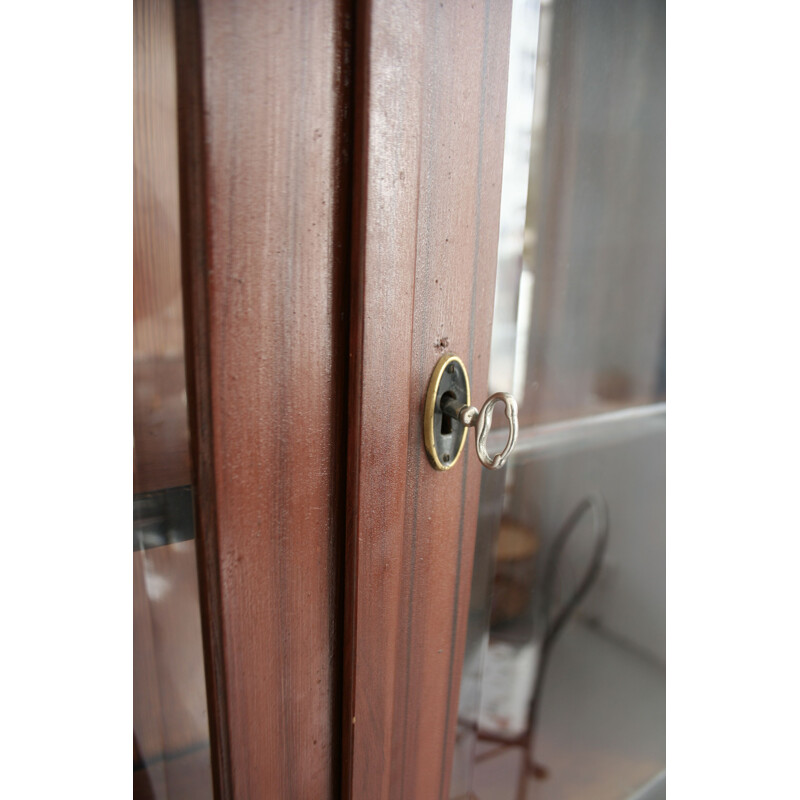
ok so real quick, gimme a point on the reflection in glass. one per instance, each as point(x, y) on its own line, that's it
point(171, 757)
point(170, 718)
point(563, 686)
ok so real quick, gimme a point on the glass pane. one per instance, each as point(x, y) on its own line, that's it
point(563, 688)
point(586, 282)
point(171, 758)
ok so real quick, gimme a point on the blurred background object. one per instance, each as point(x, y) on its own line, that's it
point(579, 331)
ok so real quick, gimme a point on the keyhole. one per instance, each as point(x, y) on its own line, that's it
point(447, 421)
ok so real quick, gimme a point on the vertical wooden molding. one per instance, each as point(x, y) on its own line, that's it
point(264, 143)
point(430, 99)
point(191, 149)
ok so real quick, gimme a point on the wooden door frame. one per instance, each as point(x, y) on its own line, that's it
point(264, 147)
point(334, 631)
point(431, 84)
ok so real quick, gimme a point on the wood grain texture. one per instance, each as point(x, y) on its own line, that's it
point(264, 192)
point(430, 99)
point(160, 416)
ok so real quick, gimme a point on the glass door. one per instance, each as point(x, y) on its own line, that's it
point(241, 176)
point(563, 685)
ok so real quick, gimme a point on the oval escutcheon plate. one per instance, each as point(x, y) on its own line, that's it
point(445, 436)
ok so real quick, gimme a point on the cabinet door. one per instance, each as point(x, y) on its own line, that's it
point(430, 117)
point(265, 195)
point(504, 631)
point(257, 108)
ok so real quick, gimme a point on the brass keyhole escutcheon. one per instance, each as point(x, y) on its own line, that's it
point(448, 414)
point(445, 436)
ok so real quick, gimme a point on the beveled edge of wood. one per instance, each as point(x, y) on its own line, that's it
point(193, 218)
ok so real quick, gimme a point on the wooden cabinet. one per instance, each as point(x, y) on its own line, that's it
point(340, 173)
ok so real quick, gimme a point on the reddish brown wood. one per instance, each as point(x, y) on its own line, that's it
point(263, 133)
point(431, 90)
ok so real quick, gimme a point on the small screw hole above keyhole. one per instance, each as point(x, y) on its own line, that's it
point(447, 421)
